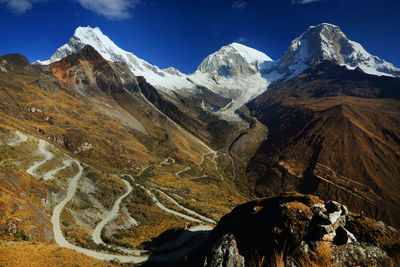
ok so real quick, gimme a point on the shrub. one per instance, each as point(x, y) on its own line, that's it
point(21, 235)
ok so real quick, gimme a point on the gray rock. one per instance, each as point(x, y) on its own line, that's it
point(334, 216)
point(224, 253)
point(343, 236)
point(3, 69)
point(331, 228)
point(356, 255)
point(380, 224)
point(318, 208)
point(344, 209)
point(332, 206)
point(322, 219)
point(329, 237)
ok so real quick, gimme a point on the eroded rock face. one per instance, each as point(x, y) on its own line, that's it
point(224, 254)
point(297, 223)
point(355, 255)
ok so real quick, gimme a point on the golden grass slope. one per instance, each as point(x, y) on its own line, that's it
point(22, 254)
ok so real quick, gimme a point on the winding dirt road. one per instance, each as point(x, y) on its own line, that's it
point(20, 138)
point(110, 215)
point(175, 245)
point(203, 218)
point(47, 155)
point(162, 207)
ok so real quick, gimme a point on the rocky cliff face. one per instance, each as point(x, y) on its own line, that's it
point(296, 229)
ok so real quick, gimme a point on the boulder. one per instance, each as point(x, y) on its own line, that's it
point(380, 224)
point(318, 208)
point(321, 219)
point(3, 69)
point(332, 206)
point(341, 237)
point(334, 216)
point(331, 228)
point(17, 61)
point(225, 254)
point(283, 224)
point(344, 209)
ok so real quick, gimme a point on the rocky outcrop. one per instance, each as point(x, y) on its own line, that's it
point(328, 223)
point(224, 253)
point(15, 61)
point(301, 228)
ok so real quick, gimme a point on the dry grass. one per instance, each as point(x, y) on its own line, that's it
point(322, 257)
point(71, 120)
point(152, 221)
point(72, 116)
point(38, 255)
point(392, 247)
point(367, 231)
point(258, 260)
point(213, 197)
point(277, 259)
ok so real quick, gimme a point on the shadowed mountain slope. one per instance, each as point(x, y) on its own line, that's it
point(334, 133)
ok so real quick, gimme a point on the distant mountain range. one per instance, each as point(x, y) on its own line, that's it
point(237, 72)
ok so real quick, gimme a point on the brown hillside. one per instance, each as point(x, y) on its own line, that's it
point(92, 110)
point(332, 134)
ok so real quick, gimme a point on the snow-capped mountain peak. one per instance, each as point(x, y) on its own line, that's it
point(327, 42)
point(249, 54)
point(233, 71)
point(94, 37)
point(233, 60)
point(236, 71)
point(169, 78)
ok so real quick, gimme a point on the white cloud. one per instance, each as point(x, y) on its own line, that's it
point(111, 9)
point(19, 6)
point(304, 1)
point(238, 5)
point(241, 40)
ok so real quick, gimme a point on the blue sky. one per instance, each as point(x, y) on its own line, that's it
point(181, 33)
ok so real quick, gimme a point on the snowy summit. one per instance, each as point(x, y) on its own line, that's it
point(236, 71)
point(327, 42)
point(169, 78)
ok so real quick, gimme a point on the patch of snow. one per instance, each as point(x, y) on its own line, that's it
point(251, 55)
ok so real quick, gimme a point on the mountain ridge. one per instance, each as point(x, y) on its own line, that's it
point(236, 71)
point(327, 42)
